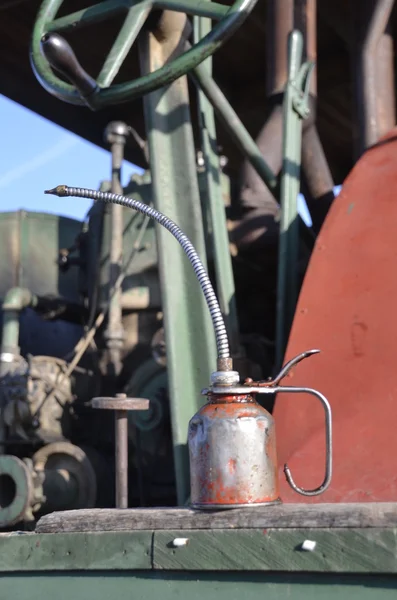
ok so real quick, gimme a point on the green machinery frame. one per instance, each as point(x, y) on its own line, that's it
point(189, 335)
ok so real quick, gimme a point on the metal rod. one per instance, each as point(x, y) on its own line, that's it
point(235, 128)
point(220, 239)
point(233, 124)
point(121, 436)
point(287, 278)
point(116, 135)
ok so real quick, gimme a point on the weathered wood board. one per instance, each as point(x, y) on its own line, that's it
point(280, 516)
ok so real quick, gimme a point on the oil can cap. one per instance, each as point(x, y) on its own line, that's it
point(226, 378)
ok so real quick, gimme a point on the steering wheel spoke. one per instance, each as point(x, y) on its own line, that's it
point(127, 35)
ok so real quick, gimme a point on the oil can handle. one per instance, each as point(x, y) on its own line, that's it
point(328, 441)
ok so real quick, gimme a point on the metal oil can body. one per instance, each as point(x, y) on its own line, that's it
point(232, 449)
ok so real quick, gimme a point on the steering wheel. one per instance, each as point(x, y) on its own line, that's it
point(49, 49)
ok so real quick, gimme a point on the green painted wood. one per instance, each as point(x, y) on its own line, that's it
point(211, 586)
point(75, 551)
point(339, 550)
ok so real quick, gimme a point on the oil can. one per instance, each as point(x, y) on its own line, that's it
point(232, 446)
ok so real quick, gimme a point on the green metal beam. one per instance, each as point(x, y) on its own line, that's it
point(191, 352)
point(214, 197)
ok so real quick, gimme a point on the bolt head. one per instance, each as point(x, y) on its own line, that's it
point(116, 129)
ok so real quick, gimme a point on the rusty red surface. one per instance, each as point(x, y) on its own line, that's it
point(225, 467)
point(347, 308)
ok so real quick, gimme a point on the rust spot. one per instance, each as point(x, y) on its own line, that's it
point(358, 337)
point(232, 464)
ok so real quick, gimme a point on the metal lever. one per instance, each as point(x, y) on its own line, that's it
point(61, 57)
point(272, 387)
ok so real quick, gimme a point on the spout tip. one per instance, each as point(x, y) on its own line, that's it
point(59, 190)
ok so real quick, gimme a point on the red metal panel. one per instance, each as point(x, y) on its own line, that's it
point(347, 308)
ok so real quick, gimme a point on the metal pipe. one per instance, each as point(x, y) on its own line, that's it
point(15, 301)
point(58, 477)
point(116, 135)
point(386, 100)
point(368, 76)
point(305, 21)
point(254, 193)
point(315, 167)
point(317, 174)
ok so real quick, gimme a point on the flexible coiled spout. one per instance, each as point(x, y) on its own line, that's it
point(222, 341)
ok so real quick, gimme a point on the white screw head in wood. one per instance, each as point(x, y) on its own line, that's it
point(179, 542)
point(308, 546)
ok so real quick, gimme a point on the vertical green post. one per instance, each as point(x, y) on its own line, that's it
point(295, 108)
point(220, 239)
point(190, 341)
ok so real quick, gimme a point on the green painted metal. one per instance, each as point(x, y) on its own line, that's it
point(104, 10)
point(140, 268)
point(127, 35)
point(233, 124)
point(217, 586)
point(340, 550)
point(214, 194)
point(229, 22)
point(190, 341)
point(31, 242)
point(295, 109)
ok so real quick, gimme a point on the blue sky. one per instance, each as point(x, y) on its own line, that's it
point(37, 155)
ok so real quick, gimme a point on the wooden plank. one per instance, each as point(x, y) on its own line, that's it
point(338, 550)
point(284, 515)
point(75, 551)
